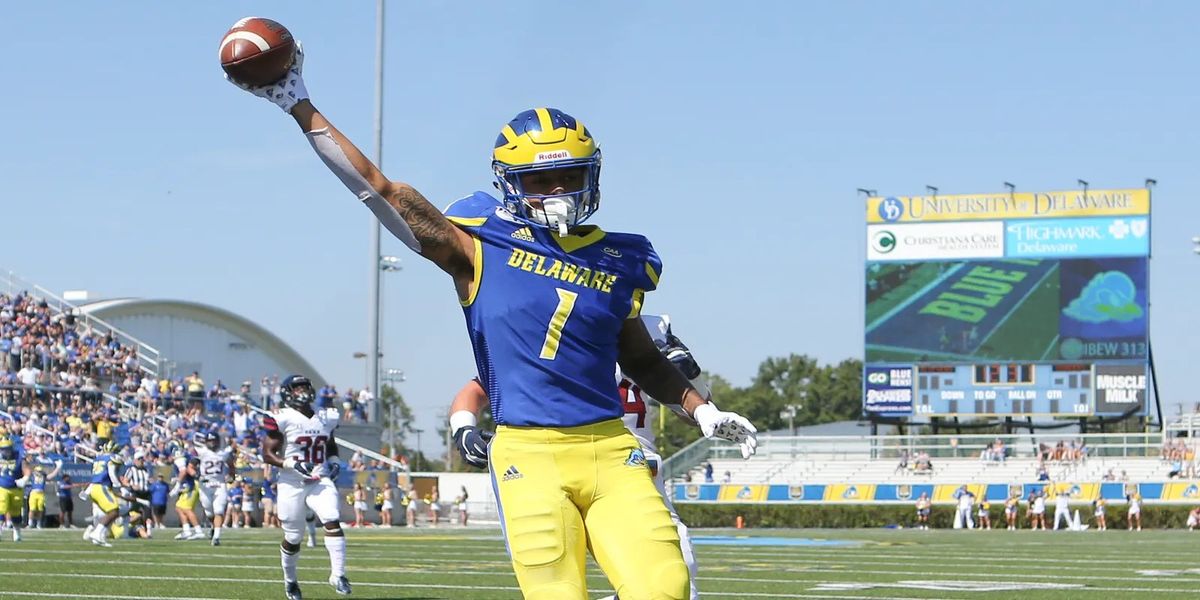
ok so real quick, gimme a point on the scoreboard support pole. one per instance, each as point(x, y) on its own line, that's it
point(1154, 386)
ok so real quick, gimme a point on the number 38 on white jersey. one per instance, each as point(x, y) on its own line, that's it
point(306, 439)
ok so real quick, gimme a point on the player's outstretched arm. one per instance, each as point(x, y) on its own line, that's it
point(399, 207)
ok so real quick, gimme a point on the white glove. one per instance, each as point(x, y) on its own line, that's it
point(286, 92)
point(727, 426)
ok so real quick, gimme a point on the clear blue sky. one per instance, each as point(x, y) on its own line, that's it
point(734, 136)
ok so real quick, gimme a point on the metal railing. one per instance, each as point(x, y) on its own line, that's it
point(148, 356)
point(893, 447)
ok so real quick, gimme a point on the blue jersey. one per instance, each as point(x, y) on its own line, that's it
point(100, 468)
point(10, 471)
point(546, 313)
point(235, 494)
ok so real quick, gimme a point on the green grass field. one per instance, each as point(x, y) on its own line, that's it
point(458, 564)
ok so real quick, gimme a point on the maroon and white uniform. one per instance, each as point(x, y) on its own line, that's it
point(306, 439)
point(637, 422)
point(214, 467)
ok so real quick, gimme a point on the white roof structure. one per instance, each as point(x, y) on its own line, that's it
point(192, 336)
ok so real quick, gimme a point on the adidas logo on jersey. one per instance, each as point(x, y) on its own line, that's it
point(523, 234)
point(512, 473)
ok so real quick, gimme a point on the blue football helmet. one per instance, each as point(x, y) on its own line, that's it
point(539, 140)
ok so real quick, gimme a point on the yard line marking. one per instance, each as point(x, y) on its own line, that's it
point(107, 596)
point(461, 587)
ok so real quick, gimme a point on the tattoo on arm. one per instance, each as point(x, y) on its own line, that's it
point(437, 235)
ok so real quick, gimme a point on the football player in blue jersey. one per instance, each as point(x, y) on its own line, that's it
point(105, 500)
point(551, 304)
point(13, 473)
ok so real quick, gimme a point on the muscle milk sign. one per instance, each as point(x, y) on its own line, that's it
point(1120, 388)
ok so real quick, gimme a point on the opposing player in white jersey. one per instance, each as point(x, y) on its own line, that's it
point(472, 442)
point(300, 442)
point(215, 466)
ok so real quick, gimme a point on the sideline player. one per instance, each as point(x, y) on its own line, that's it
point(550, 305)
point(473, 399)
point(300, 442)
point(13, 473)
point(215, 465)
point(37, 494)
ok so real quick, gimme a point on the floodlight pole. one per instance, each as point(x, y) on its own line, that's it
point(932, 190)
point(376, 254)
point(1084, 185)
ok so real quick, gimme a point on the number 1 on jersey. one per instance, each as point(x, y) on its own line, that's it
point(566, 303)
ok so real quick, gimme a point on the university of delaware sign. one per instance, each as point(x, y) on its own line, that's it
point(1003, 206)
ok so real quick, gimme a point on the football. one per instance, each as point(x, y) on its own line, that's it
point(257, 51)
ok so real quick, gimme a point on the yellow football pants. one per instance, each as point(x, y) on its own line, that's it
point(37, 501)
point(562, 491)
point(11, 501)
point(103, 497)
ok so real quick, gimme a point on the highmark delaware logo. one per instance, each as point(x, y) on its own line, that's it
point(891, 209)
point(883, 242)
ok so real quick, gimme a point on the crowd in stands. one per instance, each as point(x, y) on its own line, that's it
point(1180, 458)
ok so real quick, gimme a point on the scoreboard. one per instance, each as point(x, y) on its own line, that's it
point(1023, 389)
point(1013, 305)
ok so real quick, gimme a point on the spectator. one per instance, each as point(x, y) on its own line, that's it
point(366, 404)
point(708, 472)
point(195, 389)
point(902, 466)
point(1043, 474)
point(727, 478)
point(1193, 519)
point(923, 465)
point(159, 492)
point(264, 393)
point(66, 501)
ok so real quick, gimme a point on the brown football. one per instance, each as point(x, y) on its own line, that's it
point(257, 51)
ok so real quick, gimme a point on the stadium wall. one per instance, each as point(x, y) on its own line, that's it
point(1162, 492)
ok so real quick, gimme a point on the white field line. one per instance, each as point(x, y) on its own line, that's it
point(1030, 565)
point(851, 570)
point(399, 552)
point(107, 596)
point(513, 589)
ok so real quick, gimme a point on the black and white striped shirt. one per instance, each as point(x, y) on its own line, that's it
point(138, 478)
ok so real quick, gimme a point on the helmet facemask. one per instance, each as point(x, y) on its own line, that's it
point(559, 211)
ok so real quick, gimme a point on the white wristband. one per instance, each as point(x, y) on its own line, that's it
point(460, 419)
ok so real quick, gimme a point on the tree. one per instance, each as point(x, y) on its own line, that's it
point(397, 421)
point(822, 394)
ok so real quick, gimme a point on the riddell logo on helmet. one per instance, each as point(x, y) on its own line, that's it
point(555, 155)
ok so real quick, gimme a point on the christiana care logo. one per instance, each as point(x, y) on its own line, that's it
point(883, 241)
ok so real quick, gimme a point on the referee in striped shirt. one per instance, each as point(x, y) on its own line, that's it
point(137, 477)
